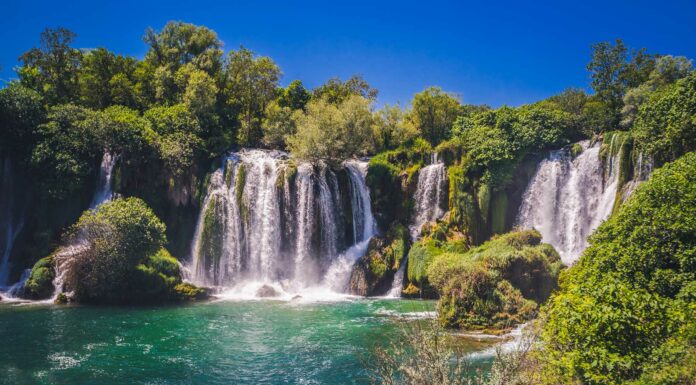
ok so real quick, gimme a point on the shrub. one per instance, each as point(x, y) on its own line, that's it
point(40, 282)
point(495, 285)
point(116, 256)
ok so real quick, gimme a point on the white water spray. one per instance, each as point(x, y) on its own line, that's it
point(266, 224)
point(568, 198)
point(429, 201)
point(104, 193)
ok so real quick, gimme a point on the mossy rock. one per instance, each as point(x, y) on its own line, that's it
point(40, 282)
point(187, 292)
point(495, 285)
point(419, 258)
point(373, 273)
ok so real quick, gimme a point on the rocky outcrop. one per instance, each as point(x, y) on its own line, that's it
point(373, 273)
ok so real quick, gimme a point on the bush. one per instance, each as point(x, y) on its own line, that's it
point(40, 282)
point(117, 256)
point(665, 125)
point(495, 285)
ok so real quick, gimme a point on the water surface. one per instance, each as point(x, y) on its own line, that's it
point(220, 342)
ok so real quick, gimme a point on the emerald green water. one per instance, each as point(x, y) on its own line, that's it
point(253, 342)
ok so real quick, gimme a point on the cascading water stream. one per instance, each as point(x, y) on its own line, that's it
point(429, 199)
point(641, 171)
point(338, 274)
point(11, 222)
point(266, 223)
point(104, 192)
point(568, 198)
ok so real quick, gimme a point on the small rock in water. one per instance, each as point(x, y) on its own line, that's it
point(267, 291)
point(61, 299)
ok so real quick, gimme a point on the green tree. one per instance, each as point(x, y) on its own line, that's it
point(668, 69)
point(67, 150)
point(606, 68)
point(250, 85)
point(295, 96)
point(665, 125)
point(614, 71)
point(51, 69)
point(277, 125)
point(334, 132)
point(116, 238)
point(393, 128)
point(178, 45)
point(433, 113)
point(98, 69)
point(336, 91)
point(121, 130)
point(21, 111)
point(597, 116)
point(123, 91)
point(200, 94)
point(178, 138)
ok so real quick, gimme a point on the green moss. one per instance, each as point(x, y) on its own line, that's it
point(463, 209)
point(188, 292)
point(575, 150)
point(495, 285)
point(40, 282)
point(386, 190)
point(164, 263)
point(484, 201)
point(239, 185)
point(211, 234)
point(499, 209)
point(373, 274)
point(229, 170)
point(419, 258)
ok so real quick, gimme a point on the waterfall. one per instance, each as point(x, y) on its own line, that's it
point(338, 274)
point(11, 222)
point(568, 198)
point(430, 197)
point(103, 192)
point(641, 171)
point(430, 194)
point(268, 222)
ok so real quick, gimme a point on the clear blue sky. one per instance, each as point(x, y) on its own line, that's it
point(501, 52)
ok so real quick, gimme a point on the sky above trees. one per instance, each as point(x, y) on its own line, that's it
point(499, 53)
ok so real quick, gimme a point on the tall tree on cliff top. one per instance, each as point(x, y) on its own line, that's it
point(433, 113)
point(51, 68)
point(614, 71)
point(250, 84)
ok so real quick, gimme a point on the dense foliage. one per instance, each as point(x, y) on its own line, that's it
point(626, 311)
point(116, 255)
point(495, 285)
